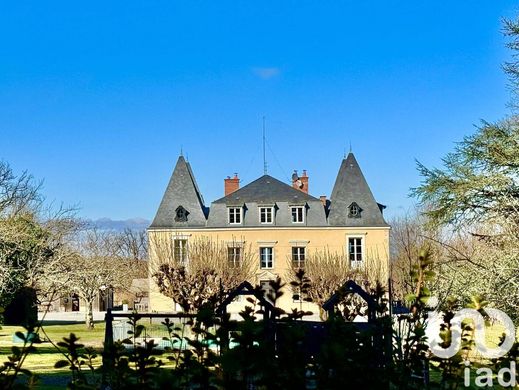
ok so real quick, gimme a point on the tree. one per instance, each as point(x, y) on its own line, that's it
point(205, 277)
point(325, 272)
point(133, 244)
point(409, 236)
point(479, 182)
point(96, 266)
point(32, 239)
point(476, 194)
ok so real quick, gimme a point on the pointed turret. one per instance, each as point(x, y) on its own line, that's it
point(182, 204)
point(352, 203)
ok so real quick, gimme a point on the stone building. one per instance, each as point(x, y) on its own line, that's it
point(282, 223)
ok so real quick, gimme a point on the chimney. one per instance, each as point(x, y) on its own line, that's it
point(300, 183)
point(304, 180)
point(323, 200)
point(231, 184)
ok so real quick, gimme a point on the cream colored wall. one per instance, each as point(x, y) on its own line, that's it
point(376, 251)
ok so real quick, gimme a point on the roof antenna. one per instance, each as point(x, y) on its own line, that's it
point(264, 154)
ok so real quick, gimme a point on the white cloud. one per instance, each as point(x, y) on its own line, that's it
point(266, 73)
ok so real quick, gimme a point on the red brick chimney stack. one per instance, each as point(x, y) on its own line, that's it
point(231, 184)
point(304, 180)
point(300, 183)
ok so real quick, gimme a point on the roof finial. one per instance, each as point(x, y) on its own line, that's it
point(350, 145)
point(181, 151)
point(264, 153)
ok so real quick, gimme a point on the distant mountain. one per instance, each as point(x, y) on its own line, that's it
point(120, 225)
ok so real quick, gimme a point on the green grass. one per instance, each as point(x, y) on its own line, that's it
point(42, 361)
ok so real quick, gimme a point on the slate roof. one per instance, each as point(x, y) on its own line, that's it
point(266, 190)
point(182, 190)
point(351, 187)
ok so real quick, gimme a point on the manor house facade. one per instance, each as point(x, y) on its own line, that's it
point(281, 223)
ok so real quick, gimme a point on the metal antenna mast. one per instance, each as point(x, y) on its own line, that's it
point(264, 153)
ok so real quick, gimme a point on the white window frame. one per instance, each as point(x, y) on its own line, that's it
point(234, 256)
point(362, 239)
point(266, 261)
point(236, 211)
point(298, 261)
point(260, 214)
point(302, 208)
point(183, 249)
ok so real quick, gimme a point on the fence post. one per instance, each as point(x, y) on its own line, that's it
point(108, 358)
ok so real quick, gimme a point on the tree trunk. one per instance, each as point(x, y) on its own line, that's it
point(89, 315)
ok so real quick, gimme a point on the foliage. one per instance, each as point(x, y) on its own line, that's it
point(207, 276)
point(33, 239)
point(479, 181)
point(210, 352)
point(12, 368)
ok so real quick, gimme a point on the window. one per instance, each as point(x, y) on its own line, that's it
point(298, 256)
point(180, 250)
point(234, 256)
point(266, 214)
point(181, 214)
point(354, 210)
point(355, 249)
point(266, 257)
point(234, 215)
point(298, 214)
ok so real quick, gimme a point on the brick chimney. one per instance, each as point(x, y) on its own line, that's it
point(300, 183)
point(231, 184)
point(304, 180)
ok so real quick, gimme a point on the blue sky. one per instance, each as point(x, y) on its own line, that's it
point(97, 98)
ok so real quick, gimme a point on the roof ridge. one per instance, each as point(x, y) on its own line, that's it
point(285, 186)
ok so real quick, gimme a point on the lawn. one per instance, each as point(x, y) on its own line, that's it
point(42, 361)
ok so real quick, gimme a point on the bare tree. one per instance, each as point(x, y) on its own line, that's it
point(203, 276)
point(96, 266)
point(33, 237)
point(133, 244)
point(17, 193)
point(409, 236)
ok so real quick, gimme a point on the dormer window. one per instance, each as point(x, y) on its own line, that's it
point(234, 215)
point(181, 214)
point(354, 211)
point(298, 214)
point(266, 215)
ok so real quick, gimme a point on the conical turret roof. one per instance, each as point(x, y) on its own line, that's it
point(351, 189)
point(182, 204)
